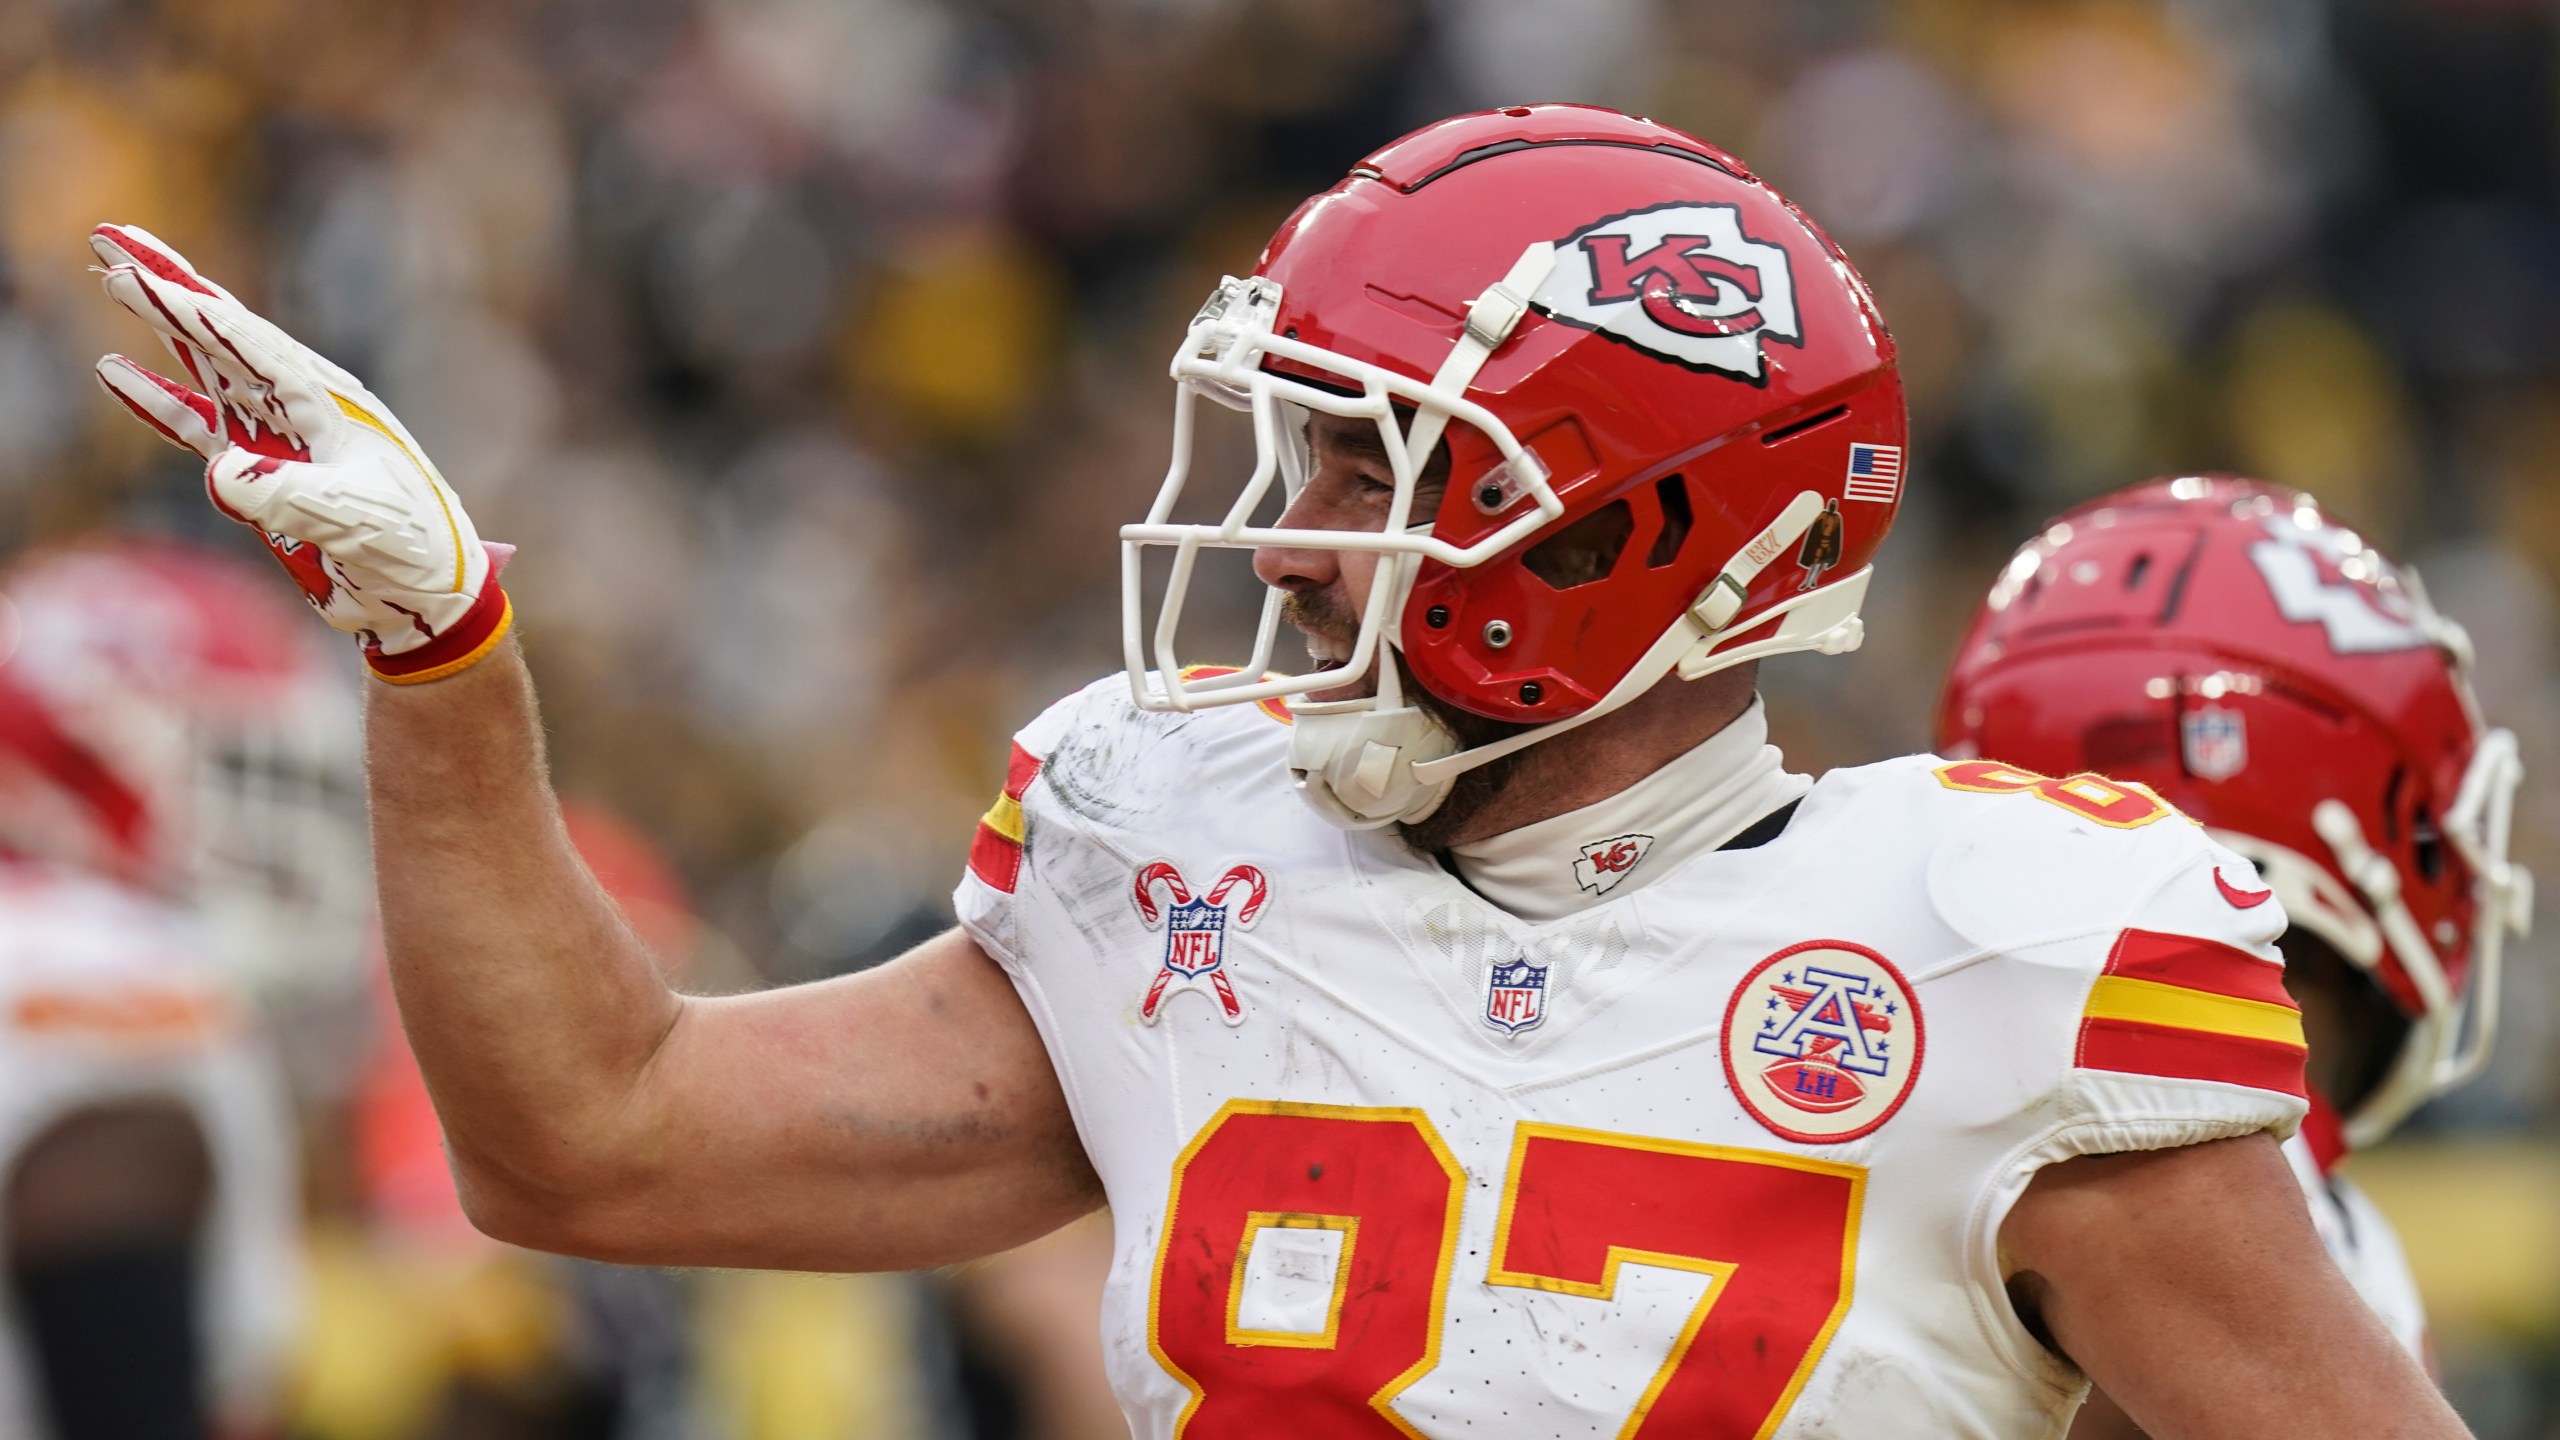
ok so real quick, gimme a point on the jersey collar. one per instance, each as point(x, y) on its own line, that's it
point(1700, 800)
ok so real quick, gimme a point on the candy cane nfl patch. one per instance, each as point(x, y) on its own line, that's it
point(1195, 932)
point(1822, 1041)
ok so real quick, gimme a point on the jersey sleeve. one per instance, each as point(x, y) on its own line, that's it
point(985, 895)
point(2185, 1032)
point(2134, 959)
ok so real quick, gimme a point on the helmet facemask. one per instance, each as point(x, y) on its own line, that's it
point(1369, 742)
point(2451, 1036)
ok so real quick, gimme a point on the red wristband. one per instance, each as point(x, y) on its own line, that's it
point(456, 650)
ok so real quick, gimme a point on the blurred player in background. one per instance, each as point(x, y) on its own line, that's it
point(177, 840)
point(2259, 666)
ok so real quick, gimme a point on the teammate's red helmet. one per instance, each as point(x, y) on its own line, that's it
point(1619, 332)
point(2228, 644)
point(166, 717)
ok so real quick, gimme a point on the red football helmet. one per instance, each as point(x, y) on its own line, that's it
point(1619, 332)
point(166, 717)
point(2231, 646)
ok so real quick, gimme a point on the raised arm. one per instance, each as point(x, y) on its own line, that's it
point(2191, 1287)
point(903, 1117)
point(907, 1116)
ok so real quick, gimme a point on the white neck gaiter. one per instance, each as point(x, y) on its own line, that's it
point(1554, 867)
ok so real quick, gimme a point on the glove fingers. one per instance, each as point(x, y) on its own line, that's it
point(183, 417)
point(269, 402)
point(132, 245)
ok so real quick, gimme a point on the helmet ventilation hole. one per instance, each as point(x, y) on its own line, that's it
point(1497, 633)
point(1785, 433)
point(1673, 493)
point(2428, 843)
point(2134, 572)
point(1584, 551)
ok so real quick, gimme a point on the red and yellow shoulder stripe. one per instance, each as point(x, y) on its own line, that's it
point(2192, 1009)
point(995, 855)
point(1276, 709)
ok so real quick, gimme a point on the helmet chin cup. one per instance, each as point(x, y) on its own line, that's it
point(1356, 767)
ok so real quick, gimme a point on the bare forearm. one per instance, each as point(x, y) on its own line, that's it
point(532, 1009)
point(2191, 1287)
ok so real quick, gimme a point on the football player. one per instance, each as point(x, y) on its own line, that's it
point(156, 711)
point(1481, 1032)
point(2230, 646)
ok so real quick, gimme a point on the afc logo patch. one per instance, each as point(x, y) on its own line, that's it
point(1195, 932)
point(1680, 282)
point(1822, 1041)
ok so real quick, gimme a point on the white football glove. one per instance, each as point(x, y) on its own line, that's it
point(299, 450)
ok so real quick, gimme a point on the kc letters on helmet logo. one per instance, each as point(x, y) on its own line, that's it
point(1822, 1041)
point(1682, 283)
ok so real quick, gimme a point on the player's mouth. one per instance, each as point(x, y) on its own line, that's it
point(1330, 628)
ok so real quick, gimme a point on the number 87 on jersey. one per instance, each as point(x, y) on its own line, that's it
point(1303, 1276)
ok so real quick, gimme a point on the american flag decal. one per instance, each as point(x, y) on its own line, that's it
point(1875, 473)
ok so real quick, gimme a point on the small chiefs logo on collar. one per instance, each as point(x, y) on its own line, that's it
point(1195, 932)
point(1680, 282)
point(1822, 1041)
point(1604, 864)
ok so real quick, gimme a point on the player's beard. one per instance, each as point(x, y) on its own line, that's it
point(1328, 614)
point(1473, 789)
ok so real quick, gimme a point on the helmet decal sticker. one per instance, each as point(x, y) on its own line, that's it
point(1821, 548)
point(2323, 574)
point(2214, 740)
point(1875, 473)
point(1682, 283)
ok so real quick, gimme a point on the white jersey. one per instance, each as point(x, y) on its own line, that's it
point(1722, 1156)
point(107, 995)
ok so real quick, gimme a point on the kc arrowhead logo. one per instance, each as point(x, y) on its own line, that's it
point(1605, 864)
point(1680, 282)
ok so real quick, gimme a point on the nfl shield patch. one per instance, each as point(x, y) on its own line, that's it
point(2215, 740)
point(1515, 995)
point(1195, 932)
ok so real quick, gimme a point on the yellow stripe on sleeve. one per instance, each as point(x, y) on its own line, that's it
point(2149, 1002)
point(1005, 818)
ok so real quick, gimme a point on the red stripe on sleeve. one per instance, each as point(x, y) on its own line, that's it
point(2138, 1049)
point(2198, 964)
point(1019, 769)
point(995, 859)
point(994, 856)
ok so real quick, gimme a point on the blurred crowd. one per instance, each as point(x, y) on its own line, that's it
point(812, 350)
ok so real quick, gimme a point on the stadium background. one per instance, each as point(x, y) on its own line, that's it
point(811, 350)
